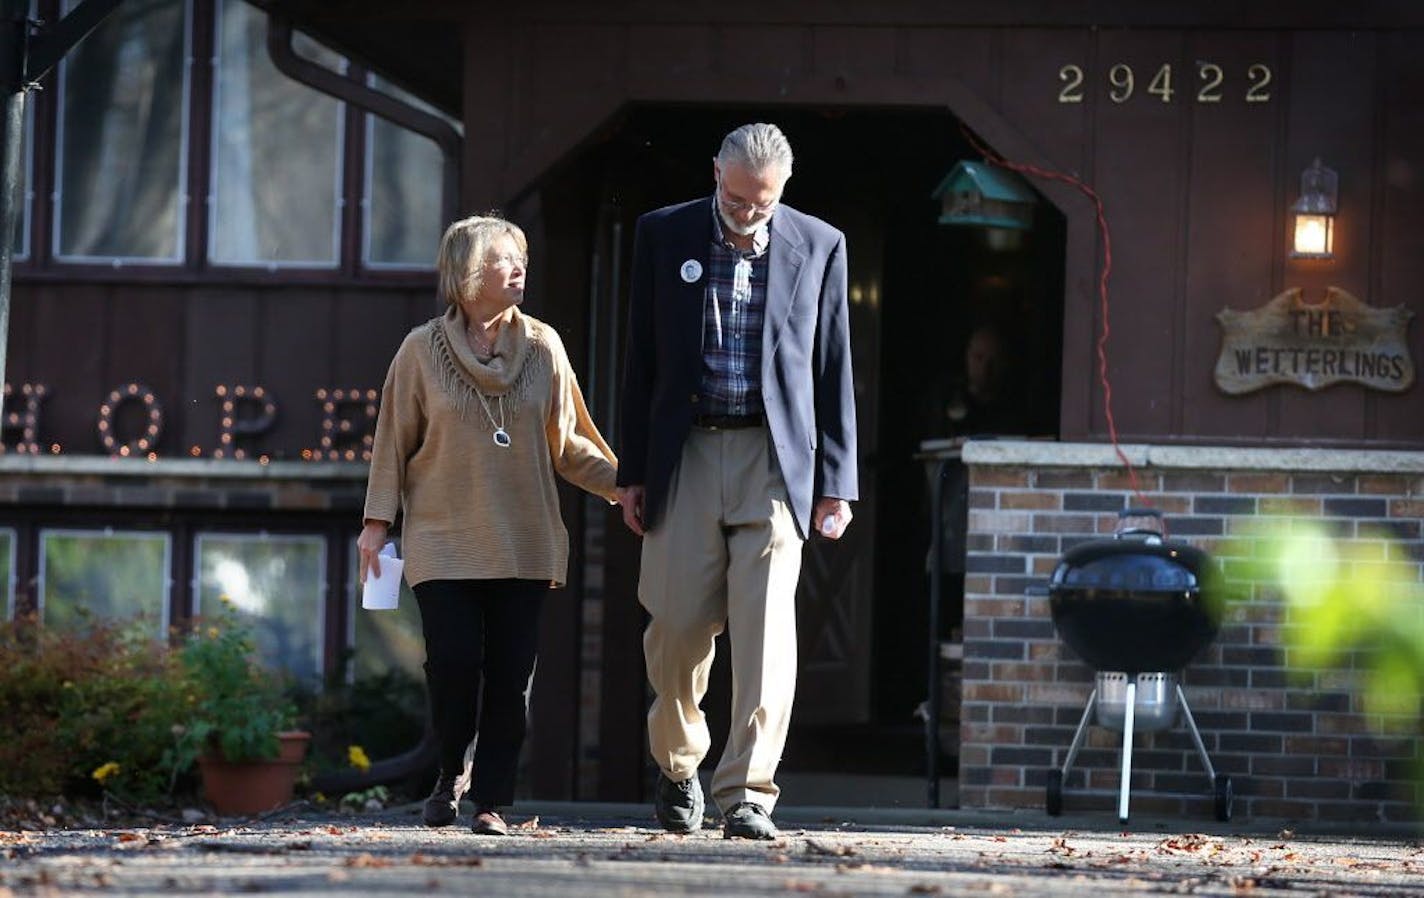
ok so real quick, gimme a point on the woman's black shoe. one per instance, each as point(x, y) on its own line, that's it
point(443, 805)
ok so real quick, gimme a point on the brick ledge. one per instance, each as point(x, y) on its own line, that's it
point(197, 468)
point(1101, 455)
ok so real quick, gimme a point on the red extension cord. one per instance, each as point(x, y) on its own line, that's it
point(994, 158)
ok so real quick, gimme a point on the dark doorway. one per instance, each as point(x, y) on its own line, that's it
point(922, 294)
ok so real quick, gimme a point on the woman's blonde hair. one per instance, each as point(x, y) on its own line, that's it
point(460, 259)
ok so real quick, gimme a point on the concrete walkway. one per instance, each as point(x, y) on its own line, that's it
point(597, 850)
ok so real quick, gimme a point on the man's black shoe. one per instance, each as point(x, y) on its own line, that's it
point(443, 805)
point(748, 820)
point(679, 805)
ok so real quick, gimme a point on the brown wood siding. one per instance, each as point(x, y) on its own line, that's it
point(68, 352)
point(220, 348)
point(1233, 180)
point(1332, 108)
point(1196, 194)
point(1137, 148)
point(84, 339)
point(144, 326)
point(1397, 259)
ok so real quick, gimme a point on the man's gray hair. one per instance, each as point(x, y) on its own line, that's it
point(759, 147)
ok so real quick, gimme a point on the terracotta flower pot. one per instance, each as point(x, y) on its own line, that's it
point(244, 788)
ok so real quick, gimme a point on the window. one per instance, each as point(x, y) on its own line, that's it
point(7, 569)
point(276, 582)
point(401, 213)
point(158, 158)
point(101, 574)
point(20, 250)
point(277, 153)
point(121, 158)
point(384, 640)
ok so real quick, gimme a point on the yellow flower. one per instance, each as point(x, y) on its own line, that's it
point(356, 757)
point(102, 773)
point(212, 632)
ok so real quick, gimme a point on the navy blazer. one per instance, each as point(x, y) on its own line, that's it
point(806, 383)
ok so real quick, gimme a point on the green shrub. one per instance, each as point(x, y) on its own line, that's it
point(107, 706)
point(101, 699)
point(237, 706)
point(384, 714)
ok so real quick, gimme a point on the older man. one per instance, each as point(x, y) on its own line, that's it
point(738, 441)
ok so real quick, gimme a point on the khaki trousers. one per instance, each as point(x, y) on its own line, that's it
point(724, 554)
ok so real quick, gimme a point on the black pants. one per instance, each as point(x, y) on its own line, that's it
point(481, 645)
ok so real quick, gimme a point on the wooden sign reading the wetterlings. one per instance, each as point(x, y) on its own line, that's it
point(1314, 344)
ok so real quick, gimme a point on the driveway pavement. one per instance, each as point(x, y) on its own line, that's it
point(567, 850)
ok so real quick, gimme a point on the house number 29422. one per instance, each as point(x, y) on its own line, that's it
point(1212, 84)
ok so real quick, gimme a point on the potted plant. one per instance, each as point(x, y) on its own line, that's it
point(241, 729)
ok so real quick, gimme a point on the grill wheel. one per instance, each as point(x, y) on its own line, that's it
point(1225, 797)
point(1053, 801)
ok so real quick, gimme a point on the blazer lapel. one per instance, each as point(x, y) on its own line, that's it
point(783, 274)
point(690, 242)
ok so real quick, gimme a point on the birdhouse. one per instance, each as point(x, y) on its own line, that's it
point(980, 195)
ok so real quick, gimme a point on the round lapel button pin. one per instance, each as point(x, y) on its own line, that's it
point(691, 271)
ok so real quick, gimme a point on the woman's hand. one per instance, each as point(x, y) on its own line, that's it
point(369, 544)
point(631, 498)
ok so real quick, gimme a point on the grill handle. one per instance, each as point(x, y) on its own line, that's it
point(1140, 522)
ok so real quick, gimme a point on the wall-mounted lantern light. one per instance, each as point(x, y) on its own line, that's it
point(976, 194)
point(1313, 225)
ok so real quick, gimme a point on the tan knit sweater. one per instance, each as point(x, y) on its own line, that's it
point(475, 510)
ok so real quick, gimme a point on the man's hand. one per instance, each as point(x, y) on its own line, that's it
point(369, 544)
point(631, 499)
point(831, 517)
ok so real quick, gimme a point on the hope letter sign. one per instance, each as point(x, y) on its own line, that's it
point(1314, 344)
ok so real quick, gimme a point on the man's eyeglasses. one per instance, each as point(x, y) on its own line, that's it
point(732, 204)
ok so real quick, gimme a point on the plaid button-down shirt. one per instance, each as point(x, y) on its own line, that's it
point(733, 307)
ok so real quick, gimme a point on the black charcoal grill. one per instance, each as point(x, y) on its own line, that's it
point(1136, 607)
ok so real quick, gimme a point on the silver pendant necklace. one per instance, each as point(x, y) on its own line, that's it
point(501, 436)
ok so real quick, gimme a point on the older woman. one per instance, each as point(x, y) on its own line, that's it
point(479, 411)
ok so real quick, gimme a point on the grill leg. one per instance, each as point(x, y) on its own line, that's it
point(1196, 735)
point(1127, 726)
point(1080, 735)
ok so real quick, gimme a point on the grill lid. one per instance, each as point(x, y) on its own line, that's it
point(1137, 601)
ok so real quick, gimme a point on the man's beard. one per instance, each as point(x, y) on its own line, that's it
point(742, 230)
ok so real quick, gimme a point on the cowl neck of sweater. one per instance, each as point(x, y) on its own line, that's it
point(509, 376)
point(498, 374)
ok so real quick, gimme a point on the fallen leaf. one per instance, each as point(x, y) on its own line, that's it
point(420, 859)
point(1061, 846)
point(814, 847)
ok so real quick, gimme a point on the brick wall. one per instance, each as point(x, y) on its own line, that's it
point(1297, 745)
